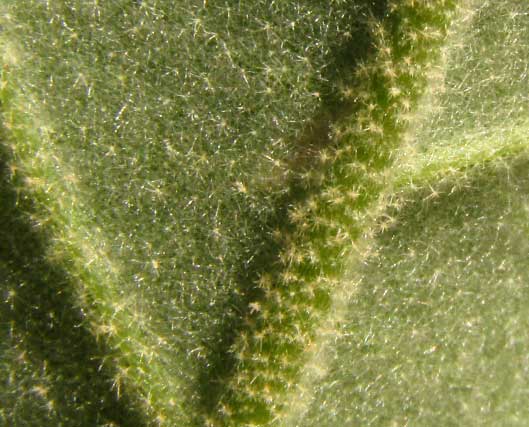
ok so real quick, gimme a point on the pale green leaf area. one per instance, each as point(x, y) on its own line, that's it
point(436, 333)
point(479, 109)
point(436, 330)
point(157, 159)
point(485, 75)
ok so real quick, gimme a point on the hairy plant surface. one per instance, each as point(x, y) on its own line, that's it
point(219, 213)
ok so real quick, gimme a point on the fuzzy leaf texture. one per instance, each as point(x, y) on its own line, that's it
point(264, 213)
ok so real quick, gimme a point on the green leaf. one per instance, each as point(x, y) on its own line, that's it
point(263, 213)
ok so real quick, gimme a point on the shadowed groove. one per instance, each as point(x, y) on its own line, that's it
point(45, 325)
point(315, 136)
